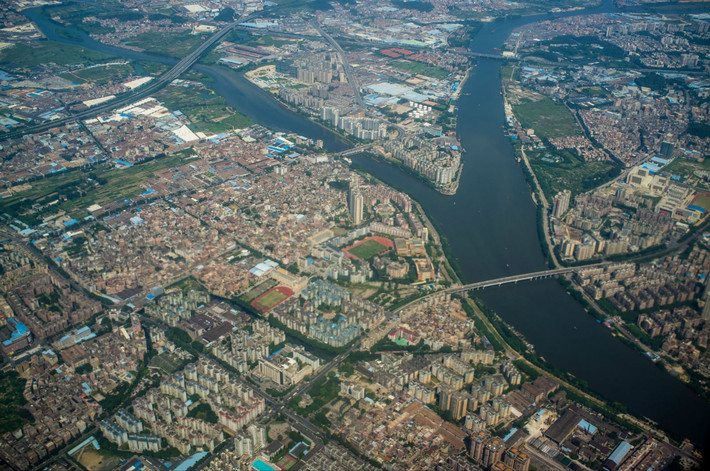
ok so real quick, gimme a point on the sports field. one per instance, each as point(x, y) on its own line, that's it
point(94, 460)
point(702, 200)
point(272, 298)
point(368, 248)
point(286, 462)
point(257, 290)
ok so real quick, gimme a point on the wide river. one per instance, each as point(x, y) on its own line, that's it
point(491, 228)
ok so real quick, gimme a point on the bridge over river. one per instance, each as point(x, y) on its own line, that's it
point(507, 280)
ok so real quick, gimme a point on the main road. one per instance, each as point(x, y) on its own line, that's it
point(178, 69)
point(346, 65)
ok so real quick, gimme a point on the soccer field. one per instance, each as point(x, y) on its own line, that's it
point(271, 298)
point(367, 249)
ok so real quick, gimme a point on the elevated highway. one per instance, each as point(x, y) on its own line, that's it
point(346, 65)
point(184, 64)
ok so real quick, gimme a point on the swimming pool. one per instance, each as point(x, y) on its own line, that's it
point(260, 465)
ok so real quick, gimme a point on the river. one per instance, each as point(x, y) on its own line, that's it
point(491, 228)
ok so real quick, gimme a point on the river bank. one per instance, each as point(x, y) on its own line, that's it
point(490, 226)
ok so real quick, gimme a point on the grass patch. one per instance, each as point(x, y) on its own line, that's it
point(413, 5)
point(150, 68)
point(257, 290)
point(421, 68)
point(207, 110)
point(593, 92)
point(548, 118)
point(510, 72)
point(367, 249)
point(47, 52)
point(106, 185)
point(267, 40)
point(101, 74)
point(168, 362)
point(269, 300)
point(563, 169)
point(685, 168)
point(167, 44)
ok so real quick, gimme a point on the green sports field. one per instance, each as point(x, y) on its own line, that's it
point(367, 249)
point(271, 298)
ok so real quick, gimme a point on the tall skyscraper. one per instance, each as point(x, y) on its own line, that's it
point(445, 396)
point(517, 459)
point(706, 295)
point(459, 405)
point(492, 451)
point(356, 201)
point(667, 149)
point(561, 203)
point(136, 327)
point(478, 441)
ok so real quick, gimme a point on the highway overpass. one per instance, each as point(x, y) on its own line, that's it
point(184, 64)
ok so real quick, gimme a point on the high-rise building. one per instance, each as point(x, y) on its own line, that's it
point(517, 459)
point(445, 396)
point(492, 451)
point(689, 60)
point(667, 149)
point(136, 327)
point(459, 405)
point(706, 308)
point(560, 204)
point(356, 202)
point(478, 441)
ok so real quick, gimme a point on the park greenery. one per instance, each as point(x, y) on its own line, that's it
point(203, 412)
point(322, 391)
point(557, 170)
point(420, 68)
point(49, 52)
point(79, 189)
point(12, 414)
point(171, 44)
point(100, 74)
point(206, 110)
point(548, 118)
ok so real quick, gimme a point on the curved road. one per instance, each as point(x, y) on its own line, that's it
point(346, 65)
point(178, 69)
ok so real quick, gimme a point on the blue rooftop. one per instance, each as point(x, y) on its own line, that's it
point(191, 461)
point(620, 452)
point(20, 330)
point(587, 427)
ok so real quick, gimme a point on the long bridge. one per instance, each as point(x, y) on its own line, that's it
point(487, 55)
point(506, 280)
point(354, 150)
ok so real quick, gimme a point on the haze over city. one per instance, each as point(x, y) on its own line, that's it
point(451, 235)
